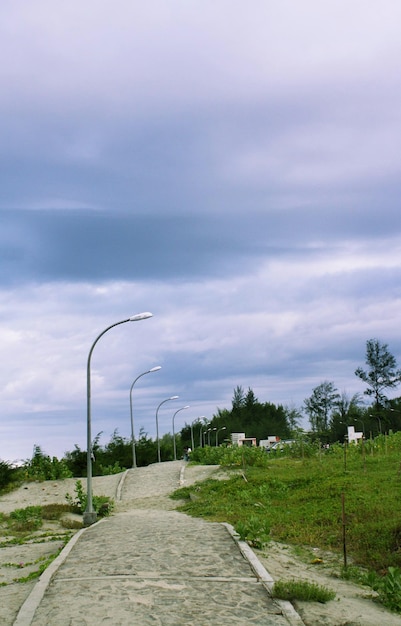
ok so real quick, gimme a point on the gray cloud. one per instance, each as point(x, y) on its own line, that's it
point(237, 177)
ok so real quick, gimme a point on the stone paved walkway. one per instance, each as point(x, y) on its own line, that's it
point(151, 566)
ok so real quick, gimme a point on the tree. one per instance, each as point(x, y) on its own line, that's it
point(238, 400)
point(250, 399)
point(320, 404)
point(382, 373)
point(347, 412)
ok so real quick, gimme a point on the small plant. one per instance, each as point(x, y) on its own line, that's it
point(25, 520)
point(255, 531)
point(392, 589)
point(389, 589)
point(54, 511)
point(103, 505)
point(302, 590)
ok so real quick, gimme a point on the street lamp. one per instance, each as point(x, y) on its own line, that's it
point(208, 435)
point(202, 434)
point(192, 430)
point(89, 516)
point(379, 420)
point(174, 446)
point(217, 434)
point(154, 369)
point(157, 425)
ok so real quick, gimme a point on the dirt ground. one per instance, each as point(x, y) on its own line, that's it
point(353, 605)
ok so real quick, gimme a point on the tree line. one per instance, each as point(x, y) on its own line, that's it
point(329, 412)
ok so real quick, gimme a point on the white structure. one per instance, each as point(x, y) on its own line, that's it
point(354, 437)
point(266, 443)
point(235, 437)
point(239, 439)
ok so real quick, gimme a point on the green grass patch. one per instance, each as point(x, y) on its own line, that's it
point(302, 590)
point(298, 500)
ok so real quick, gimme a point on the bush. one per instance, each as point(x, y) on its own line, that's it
point(7, 474)
point(102, 505)
point(26, 520)
point(42, 467)
point(302, 590)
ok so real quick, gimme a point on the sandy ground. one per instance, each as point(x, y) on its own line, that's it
point(353, 605)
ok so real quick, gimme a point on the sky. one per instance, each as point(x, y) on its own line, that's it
point(232, 168)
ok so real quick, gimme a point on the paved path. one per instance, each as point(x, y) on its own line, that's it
point(149, 565)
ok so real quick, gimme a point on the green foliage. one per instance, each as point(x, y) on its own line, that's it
point(390, 589)
point(299, 497)
point(255, 531)
point(111, 469)
point(44, 563)
point(103, 505)
point(320, 405)
point(26, 520)
point(42, 467)
point(7, 475)
point(381, 374)
point(302, 590)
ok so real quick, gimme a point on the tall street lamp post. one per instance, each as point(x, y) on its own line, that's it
point(208, 435)
point(202, 435)
point(217, 434)
point(174, 446)
point(154, 369)
point(192, 430)
point(89, 516)
point(157, 425)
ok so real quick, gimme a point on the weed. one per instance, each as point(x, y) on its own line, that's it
point(303, 591)
point(25, 520)
point(255, 531)
point(54, 511)
point(103, 505)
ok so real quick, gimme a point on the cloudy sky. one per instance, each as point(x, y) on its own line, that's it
point(232, 167)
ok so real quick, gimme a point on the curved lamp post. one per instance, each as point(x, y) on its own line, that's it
point(154, 369)
point(157, 425)
point(208, 435)
point(89, 516)
point(174, 446)
point(192, 430)
point(217, 434)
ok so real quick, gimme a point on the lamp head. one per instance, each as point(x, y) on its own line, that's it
point(174, 397)
point(155, 369)
point(140, 316)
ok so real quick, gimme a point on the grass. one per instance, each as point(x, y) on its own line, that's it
point(298, 501)
point(302, 590)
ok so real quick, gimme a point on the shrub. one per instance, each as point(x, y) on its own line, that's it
point(103, 505)
point(7, 474)
point(28, 519)
point(302, 590)
point(42, 467)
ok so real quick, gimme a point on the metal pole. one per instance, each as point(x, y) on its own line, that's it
point(192, 436)
point(157, 425)
point(154, 369)
point(174, 446)
point(217, 434)
point(89, 516)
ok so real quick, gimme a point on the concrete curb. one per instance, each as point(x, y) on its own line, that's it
point(27, 611)
point(121, 485)
point(265, 578)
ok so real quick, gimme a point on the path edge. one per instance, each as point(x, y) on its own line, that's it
point(264, 577)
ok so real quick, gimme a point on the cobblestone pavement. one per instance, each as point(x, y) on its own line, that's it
point(148, 565)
